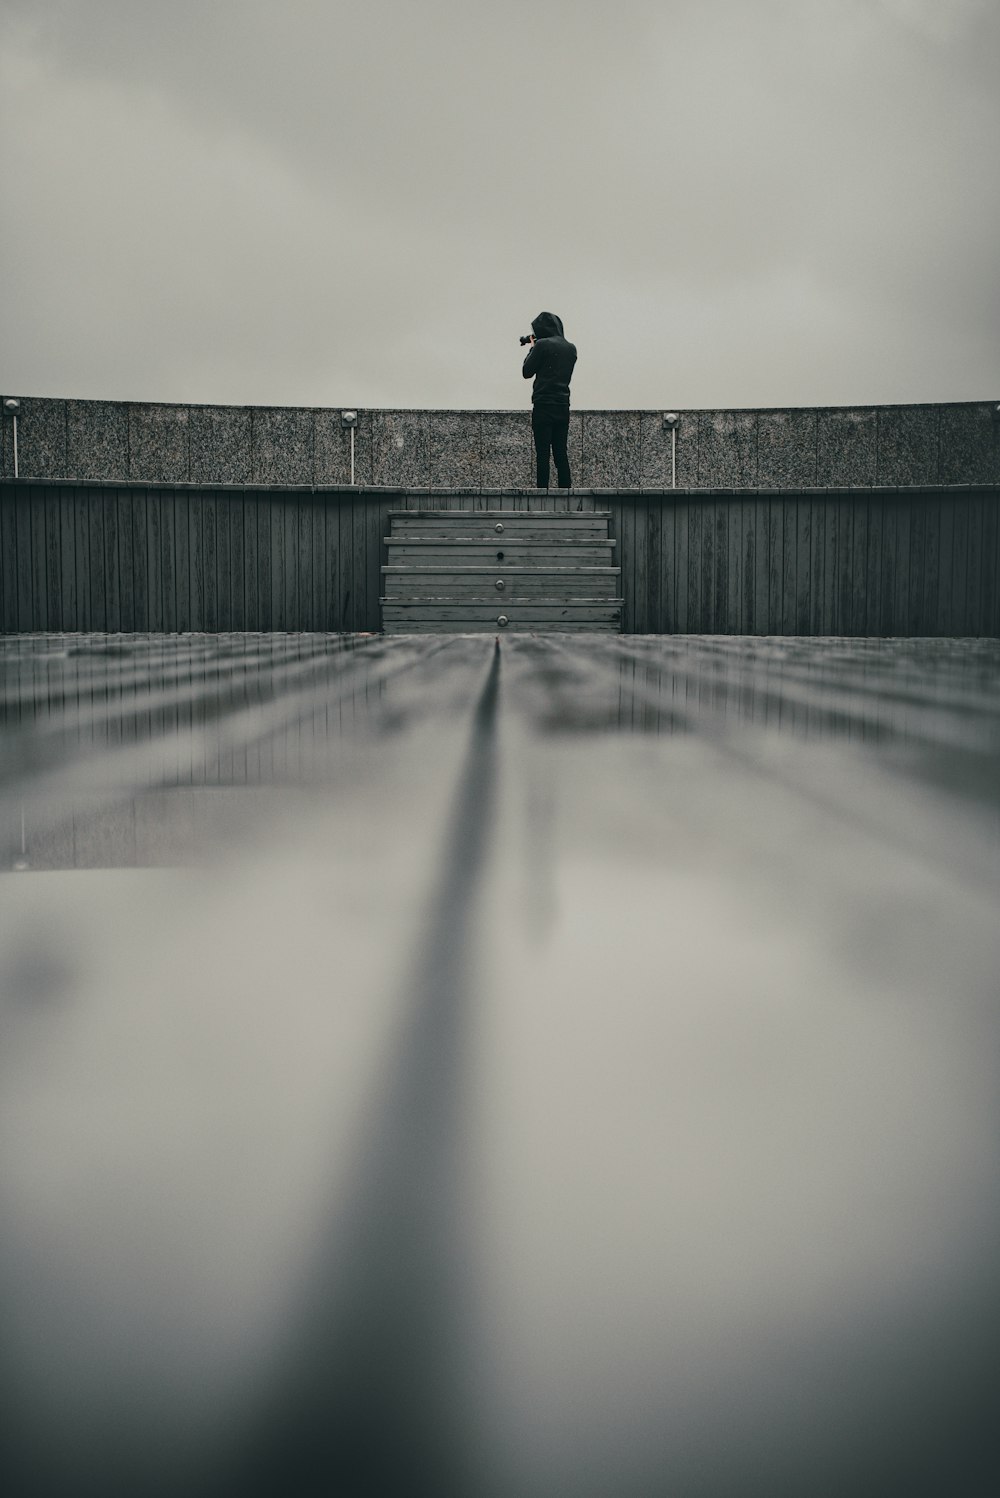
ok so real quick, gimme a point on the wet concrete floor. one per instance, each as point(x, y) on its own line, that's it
point(561, 1067)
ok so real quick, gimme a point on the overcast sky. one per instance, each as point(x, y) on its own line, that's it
point(728, 202)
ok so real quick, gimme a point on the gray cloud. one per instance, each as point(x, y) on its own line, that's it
point(729, 203)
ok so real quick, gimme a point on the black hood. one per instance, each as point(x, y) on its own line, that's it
point(547, 325)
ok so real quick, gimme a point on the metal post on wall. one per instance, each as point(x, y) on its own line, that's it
point(670, 421)
point(350, 419)
point(11, 407)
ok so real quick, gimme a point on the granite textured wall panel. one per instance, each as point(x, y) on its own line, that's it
point(455, 442)
point(908, 441)
point(790, 449)
point(508, 454)
point(610, 450)
point(332, 459)
point(158, 444)
point(97, 440)
point(401, 448)
point(727, 449)
point(786, 449)
point(282, 445)
point(654, 451)
point(970, 444)
point(655, 469)
point(219, 444)
point(41, 440)
point(846, 445)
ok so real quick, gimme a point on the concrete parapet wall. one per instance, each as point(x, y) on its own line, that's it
point(793, 449)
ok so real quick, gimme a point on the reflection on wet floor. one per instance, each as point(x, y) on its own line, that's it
point(560, 1067)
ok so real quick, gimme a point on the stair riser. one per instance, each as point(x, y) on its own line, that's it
point(478, 627)
point(539, 613)
point(470, 530)
point(520, 553)
point(486, 593)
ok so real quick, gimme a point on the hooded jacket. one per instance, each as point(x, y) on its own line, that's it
point(550, 359)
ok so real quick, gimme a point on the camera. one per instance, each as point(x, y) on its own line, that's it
point(526, 339)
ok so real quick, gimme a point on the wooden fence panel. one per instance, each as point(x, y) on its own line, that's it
point(92, 557)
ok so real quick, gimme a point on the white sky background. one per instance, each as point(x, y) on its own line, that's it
point(728, 202)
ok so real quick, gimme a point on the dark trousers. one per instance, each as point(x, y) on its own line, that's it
point(550, 429)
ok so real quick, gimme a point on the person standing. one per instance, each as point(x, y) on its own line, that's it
point(550, 359)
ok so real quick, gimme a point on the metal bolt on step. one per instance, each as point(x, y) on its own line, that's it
point(498, 527)
point(499, 584)
point(502, 619)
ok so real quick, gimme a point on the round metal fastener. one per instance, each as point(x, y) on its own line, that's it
point(502, 619)
point(498, 528)
point(499, 585)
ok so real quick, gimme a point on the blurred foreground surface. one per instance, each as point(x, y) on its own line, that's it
point(563, 1069)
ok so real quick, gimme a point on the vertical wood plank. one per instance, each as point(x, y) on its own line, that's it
point(788, 565)
point(53, 561)
point(235, 506)
point(208, 515)
point(916, 608)
point(748, 622)
point(696, 612)
point(251, 561)
point(358, 538)
point(126, 559)
point(720, 581)
point(707, 596)
point(946, 563)
point(274, 504)
point(290, 573)
point(760, 616)
point(98, 570)
point(318, 554)
point(68, 607)
point(902, 508)
point(975, 564)
point(38, 550)
point(677, 575)
point(640, 546)
point(376, 509)
point(22, 552)
point(803, 565)
point(988, 593)
point(960, 566)
point(196, 532)
point(142, 500)
point(931, 506)
point(182, 559)
point(81, 548)
point(662, 603)
point(167, 504)
point(331, 573)
point(775, 523)
point(303, 562)
point(223, 501)
point(8, 560)
point(112, 565)
point(262, 516)
point(873, 586)
point(846, 508)
point(345, 563)
point(154, 561)
point(824, 543)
